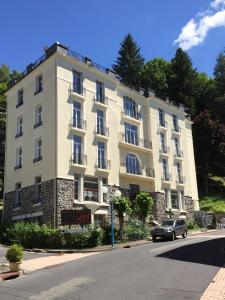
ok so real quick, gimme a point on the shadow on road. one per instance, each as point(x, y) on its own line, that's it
point(211, 252)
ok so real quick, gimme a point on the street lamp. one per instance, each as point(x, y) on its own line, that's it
point(113, 192)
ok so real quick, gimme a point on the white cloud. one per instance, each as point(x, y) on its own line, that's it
point(196, 30)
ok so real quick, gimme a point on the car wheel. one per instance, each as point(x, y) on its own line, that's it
point(184, 235)
point(154, 239)
point(173, 236)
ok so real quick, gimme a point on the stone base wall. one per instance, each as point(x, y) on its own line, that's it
point(189, 208)
point(65, 198)
point(159, 210)
point(29, 209)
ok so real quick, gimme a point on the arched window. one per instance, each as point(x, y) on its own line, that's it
point(130, 108)
point(132, 164)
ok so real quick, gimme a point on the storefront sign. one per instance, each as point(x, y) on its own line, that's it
point(75, 217)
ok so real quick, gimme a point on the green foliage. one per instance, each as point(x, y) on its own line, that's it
point(182, 79)
point(129, 62)
point(14, 253)
point(143, 205)
point(192, 225)
point(219, 74)
point(136, 230)
point(154, 76)
point(212, 204)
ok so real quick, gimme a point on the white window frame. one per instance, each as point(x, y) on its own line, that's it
point(19, 156)
point(38, 114)
point(38, 148)
point(19, 126)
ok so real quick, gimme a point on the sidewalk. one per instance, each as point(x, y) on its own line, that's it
point(216, 289)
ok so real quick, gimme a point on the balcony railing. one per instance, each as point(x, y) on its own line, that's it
point(20, 102)
point(132, 114)
point(180, 180)
point(102, 130)
point(78, 89)
point(146, 172)
point(176, 129)
point(103, 164)
point(179, 153)
point(164, 150)
point(38, 124)
point(17, 167)
point(163, 124)
point(19, 134)
point(167, 177)
point(36, 159)
point(79, 159)
point(78, 123)
point(135, 141)
point(101, 100)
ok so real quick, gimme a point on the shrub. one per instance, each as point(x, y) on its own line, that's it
point(136, 230)
point(192, 225)
point(14, 253)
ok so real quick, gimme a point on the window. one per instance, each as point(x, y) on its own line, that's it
point(132, 164)
point(38, 150)
point(177, 147)
point(19, 153)
point(39, 85)
point(162, 118)
point(37, 189)
point(134, 190)
point(130, 108)
point(174, 200)
point(167, 198)
point(90, 189)
point(78, 158)
point(179, 173)
point(175, 124)
point(77, 83)
point(166, 176)
point(163, 143)
point(77, 115)
point(100, 92)
point(17, 198)
point(76, 186)
point(182, 198)
point(38, 116)
point(100, 123)
point(131, 134)
point(101, 156)
point(19, 127)
point(19, 98)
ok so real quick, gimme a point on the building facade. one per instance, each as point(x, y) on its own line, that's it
point(73, 127)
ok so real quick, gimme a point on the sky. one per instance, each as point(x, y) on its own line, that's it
point(95, 28)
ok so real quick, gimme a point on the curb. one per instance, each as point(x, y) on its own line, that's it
point(69, 251)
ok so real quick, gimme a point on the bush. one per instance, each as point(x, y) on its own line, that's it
point(14, 253)
point(136, 230)
point(192, 225)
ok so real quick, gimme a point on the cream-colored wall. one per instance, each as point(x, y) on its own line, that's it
point(46, 167)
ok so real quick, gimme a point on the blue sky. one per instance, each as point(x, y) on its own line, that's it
point(95, 28)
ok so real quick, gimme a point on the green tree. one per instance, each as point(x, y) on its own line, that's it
point(219, 74)
point(123, 206)
point(154, 76)
point(181, 80)
point(129, 63)
point(144, 204)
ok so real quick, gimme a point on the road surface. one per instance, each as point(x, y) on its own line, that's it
point(164, 270)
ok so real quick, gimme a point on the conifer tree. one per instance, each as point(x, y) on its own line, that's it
point(129, 63)
point(182, 79)
point(219, 74)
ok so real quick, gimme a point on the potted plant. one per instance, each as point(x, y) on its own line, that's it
point(14, 255)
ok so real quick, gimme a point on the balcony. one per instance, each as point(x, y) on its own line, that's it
point(38, 124)
point(137, 144)
point(103, 165)
point(146, 174)
point(131, 116)
point(78, 92)
point(37, 159)
point(167, 178)
point(17, 167)
point(19, 134)
point(180, 180)
point(164, 150)
point(78, 125)
point(79, 160)
point(176, 130)
point(20, 103)
point(179, 154)
point(101, 102)
point(163, 125)
point(101, 132)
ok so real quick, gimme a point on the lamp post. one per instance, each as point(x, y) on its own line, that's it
point(113, 192)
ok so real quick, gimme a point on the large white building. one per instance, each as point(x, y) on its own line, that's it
point(73, 127)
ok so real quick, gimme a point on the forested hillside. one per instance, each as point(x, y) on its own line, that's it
point(203, 96)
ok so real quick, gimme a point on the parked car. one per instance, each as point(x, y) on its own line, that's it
point(169, 229)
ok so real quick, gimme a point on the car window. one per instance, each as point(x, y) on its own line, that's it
point(178, 223)
point(167, 222)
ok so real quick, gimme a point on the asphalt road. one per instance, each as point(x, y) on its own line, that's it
point(165, 270)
